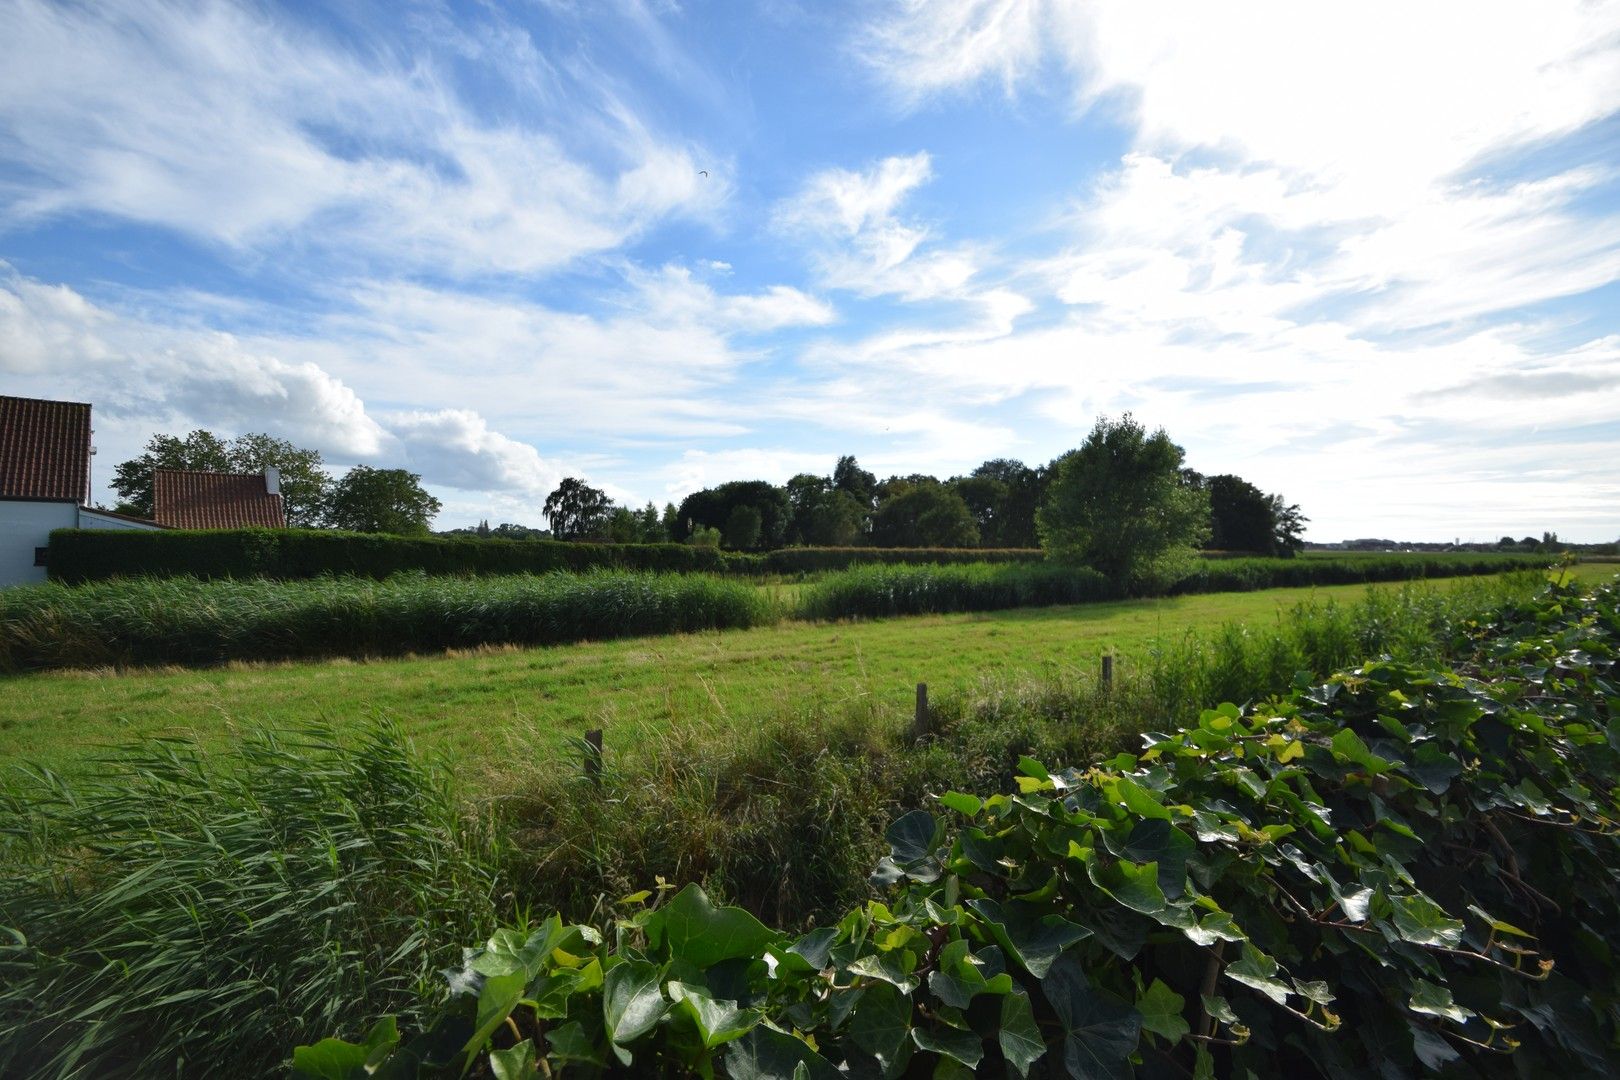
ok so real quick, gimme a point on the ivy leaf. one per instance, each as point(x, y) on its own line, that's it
point(509, 951)
point(1347, 746)
point(1433, 767)
point(1019, 1037)
point(894, 968)
point(964, 1046)
point(1102, 1032)
point(961, 803)
point(516, 1063)
point(631, 1001)
point(1034, 940)
point(571, 1042)
point(1431, 1049)
point(334, 1059)
point(691, 928)
point(1436, 1001)
point(1423, 922)
point(1258, 971)
point(1157, 841)
point(1161, 1009)
point(496, 1001)
point(767, 1054)
point(718, 1021)
point(880, 1022)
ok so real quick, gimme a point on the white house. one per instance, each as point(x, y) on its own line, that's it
point(45, 483)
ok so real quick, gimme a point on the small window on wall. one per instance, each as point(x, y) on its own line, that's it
point(39, 555)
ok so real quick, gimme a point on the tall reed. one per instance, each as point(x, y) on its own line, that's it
point(184, 621)
point(175, 914)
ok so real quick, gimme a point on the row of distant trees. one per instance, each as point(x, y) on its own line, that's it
point(1136, 485)
point(998, 504)
point(363, 499)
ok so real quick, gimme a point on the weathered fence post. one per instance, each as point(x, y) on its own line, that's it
point(1108, 671)
point(593, 756)
point(919, 723)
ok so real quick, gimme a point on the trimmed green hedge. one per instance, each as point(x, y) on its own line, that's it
point(79, 555)
point(1243, 575)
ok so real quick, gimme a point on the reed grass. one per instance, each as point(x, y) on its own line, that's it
point(172, 913)
point(185, 621)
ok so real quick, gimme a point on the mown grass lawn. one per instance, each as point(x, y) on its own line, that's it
point(487, 707)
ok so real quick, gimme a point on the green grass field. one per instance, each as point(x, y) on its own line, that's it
point(485, 707)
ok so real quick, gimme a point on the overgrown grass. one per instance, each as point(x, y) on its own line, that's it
point(786, 817)
point(184, 621)
point(171, 913)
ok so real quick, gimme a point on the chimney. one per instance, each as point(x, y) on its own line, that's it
point(272, 480)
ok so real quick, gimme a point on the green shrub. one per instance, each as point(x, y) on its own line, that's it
point(188, 621)
point(1404, 869)
point(170, 913)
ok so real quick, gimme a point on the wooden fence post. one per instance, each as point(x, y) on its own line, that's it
point(919, 723)
point(593, 756)
point(1108, 671)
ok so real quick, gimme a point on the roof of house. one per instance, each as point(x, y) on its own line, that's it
point(44, 450)
point(212, 500)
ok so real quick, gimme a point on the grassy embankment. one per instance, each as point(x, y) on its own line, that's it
point(486, 707)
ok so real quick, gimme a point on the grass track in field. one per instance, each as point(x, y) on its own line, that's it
point(484, 705)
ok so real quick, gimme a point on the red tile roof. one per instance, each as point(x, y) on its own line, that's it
point(211, 500)
point(44, 450)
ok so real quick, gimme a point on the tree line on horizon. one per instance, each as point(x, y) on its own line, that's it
point(997, 505)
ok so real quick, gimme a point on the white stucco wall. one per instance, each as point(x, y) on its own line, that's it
point(25, 526)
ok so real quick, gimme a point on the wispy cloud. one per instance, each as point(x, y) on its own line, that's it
point(242, 129)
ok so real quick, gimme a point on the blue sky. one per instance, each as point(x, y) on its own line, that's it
point(1366, 257)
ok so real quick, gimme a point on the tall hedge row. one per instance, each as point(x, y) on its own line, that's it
point(79, 555)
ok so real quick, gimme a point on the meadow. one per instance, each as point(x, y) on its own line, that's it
point(488, 705)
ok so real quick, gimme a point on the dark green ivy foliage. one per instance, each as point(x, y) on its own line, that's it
point(1401, 871)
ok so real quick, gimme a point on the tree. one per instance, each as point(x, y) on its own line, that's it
point(577, 511)
point(712, 508)
point(822, 515)
point(742, 527)
point(1120, 504)
point(1288, 532)
point(670, 524)
point(304, 481)
point(849, 477)
point(201, 450)
point(381, 501)
point(1013, 521)
point(1241, 516)
point(924, 515)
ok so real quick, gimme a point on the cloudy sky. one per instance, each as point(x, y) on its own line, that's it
point(1366, 255)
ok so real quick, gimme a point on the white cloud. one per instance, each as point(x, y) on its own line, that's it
point(457, 447)
point(233, 126)
point(850, 223)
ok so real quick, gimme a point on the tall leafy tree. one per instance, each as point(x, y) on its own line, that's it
point(1013, 522)
point(924, 515)
point(742, 527)
point(1119, 503)
point(711, 508)
point(849, 477)
point(577, 511)
point(381, 501)
point(822, 514)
